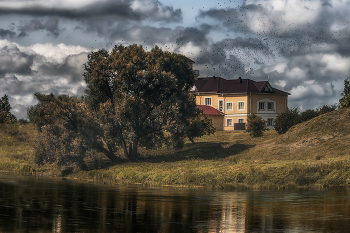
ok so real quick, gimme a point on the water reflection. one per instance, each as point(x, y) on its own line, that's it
point(38, 205)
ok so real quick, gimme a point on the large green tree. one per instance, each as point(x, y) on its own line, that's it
point(5, 115)
point(140, 98)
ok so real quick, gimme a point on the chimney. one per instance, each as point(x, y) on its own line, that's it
point(240, 80)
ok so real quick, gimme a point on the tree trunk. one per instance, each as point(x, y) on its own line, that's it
point(110, 155)
point(133, 150)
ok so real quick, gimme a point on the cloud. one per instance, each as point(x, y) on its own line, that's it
point(46, 68)
point(51, 25)
point(6, 33)
point(12, 60)
point(121, 10)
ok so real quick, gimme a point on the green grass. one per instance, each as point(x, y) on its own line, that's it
point(314, 154)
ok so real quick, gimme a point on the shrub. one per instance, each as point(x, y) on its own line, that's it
point(308, 115)
point(255, 125)
point(327, 108)
point(286, 120)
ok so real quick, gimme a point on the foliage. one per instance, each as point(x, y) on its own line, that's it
point(66, 131)
point(200, 126)
point(292, 117)
point(141, 98)
point(5, 115)
point(345, 100)
point(308, 115)
point(286, 120)
point(327, 108)
point(255, 125)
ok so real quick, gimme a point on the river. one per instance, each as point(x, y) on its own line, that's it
point(30, 204)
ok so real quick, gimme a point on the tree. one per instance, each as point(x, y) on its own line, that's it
point(200, 125)
point(5, 115)
point(255, 125)
point(66, 131)
point(345, 100)
point(140, 98)
point(286, 120)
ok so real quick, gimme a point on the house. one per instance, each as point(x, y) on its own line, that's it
point(229, 102)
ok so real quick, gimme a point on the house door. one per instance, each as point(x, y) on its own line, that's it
point(221, 105)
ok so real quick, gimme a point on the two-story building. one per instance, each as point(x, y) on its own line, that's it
point(229, 102)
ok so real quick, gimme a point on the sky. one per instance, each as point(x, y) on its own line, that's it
point(300, 46)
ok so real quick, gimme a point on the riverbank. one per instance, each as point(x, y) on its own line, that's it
point(314, 154)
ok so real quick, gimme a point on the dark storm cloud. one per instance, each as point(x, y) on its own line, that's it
point(50, 25)
point(197, 36)
point(123, 10)
point(233, 18)
point(6, 33)
point(148, 35)
point(12, 60)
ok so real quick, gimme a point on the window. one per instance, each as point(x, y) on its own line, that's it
point(229, 122)
point(270, 122)
point(270, 106)
point(229, 106)
point(221, 105)
point(241, 120)
point(261, 105)
point(240, 105)
point(207, 101)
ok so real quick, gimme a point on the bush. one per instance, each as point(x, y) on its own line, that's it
point(286, 120)
point(256, 125)
point(327, 108)
point(308, 115)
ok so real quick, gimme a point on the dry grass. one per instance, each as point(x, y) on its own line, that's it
point(312, 154)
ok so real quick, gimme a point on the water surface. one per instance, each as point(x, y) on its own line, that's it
point(29, 204)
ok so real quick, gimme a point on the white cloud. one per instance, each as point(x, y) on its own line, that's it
point(57, 53)
point(284, 15)
point(334, 62)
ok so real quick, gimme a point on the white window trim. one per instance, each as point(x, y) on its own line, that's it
point(223, 105)
point(210, 101)
point(227, 122)
point(227, 109)
point(238, 106)
point(266, 101)
point(267, 106)
point(240, 119)
point(262, 109)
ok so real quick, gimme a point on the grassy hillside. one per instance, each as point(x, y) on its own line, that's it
point(313, 154)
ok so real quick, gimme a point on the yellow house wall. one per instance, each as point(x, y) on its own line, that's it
point(200, 100)
point(280, 100)
point(250, 106)
point(217, 121)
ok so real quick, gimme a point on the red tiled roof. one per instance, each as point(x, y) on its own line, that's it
point(209, 110)
point(221, 85)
